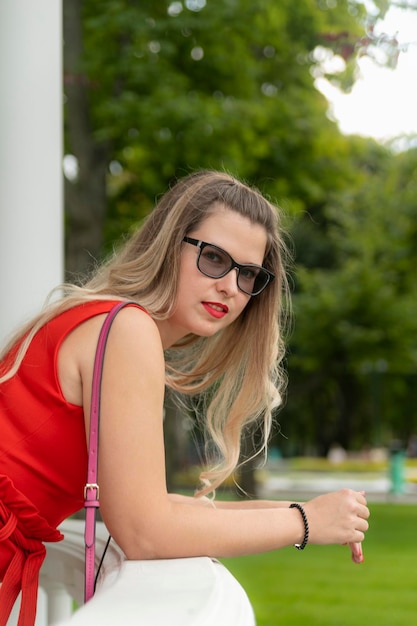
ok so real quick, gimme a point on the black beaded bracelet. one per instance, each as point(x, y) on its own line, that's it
point(302, 545)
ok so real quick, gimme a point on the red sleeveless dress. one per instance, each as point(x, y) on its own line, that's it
point(43, 461)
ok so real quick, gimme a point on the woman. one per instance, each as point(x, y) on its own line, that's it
point(206, 281)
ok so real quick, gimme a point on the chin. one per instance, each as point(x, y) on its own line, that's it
point(207, 332)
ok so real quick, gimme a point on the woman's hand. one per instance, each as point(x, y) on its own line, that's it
point(357, 554)
point(339, 517)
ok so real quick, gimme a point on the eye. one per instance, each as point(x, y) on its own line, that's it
point(212, 255)
point(215, 257)
point(249, 273)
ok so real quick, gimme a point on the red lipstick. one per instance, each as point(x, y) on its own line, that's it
point(216, 309)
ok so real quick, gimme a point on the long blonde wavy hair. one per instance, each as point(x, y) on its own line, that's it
point(238, 371)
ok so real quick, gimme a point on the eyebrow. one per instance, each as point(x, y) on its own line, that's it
point(197, 242)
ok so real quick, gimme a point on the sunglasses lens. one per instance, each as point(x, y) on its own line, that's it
point(261, 281)
point(214, 262)
point(252, 280)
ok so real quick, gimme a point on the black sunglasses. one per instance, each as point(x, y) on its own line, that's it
point(215, 262)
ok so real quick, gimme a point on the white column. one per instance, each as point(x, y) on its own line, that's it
point(60, 603)
point(31, 213)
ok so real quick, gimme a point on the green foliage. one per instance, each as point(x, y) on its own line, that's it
point(361, 293)
point(177, 86)
point(228, 86)
point(322, 587)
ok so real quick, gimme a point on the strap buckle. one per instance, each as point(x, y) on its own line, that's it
point(92, 486)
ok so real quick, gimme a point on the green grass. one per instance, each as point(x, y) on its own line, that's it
point(322, 587)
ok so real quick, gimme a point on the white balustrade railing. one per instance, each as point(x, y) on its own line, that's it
point(179, 592)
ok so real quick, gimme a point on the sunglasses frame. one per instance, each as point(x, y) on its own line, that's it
point(234, 264)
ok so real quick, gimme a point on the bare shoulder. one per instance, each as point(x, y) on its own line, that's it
point(133, 334)
point(133, 319)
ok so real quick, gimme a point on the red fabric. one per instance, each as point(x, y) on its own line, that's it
point(22, 531)
point(43, 461)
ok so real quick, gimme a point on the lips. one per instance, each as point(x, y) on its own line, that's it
point(216, 309)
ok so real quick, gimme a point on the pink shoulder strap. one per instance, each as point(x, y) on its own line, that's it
point(91, 489)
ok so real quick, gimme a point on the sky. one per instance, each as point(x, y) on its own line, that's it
point(383, 102)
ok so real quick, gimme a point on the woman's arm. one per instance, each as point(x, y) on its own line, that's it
point(230, 504)
point(355, 548)
point(143, 519)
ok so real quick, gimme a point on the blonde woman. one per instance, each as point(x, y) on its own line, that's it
point(206, 280)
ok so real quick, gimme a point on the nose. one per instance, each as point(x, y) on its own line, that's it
point(228, 283)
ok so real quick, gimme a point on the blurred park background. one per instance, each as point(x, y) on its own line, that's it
point(154, 90)
point(322, 587)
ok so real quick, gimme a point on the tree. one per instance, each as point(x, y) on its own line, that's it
point(156, 89)
point(353, 369)
point(85, 198)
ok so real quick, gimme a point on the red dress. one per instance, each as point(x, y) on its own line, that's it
point(43, 461)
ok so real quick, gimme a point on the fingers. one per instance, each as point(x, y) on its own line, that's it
point(361, 497)
point(356, 551)
point(361, 526)
point(339, 517)
point(363, 513)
